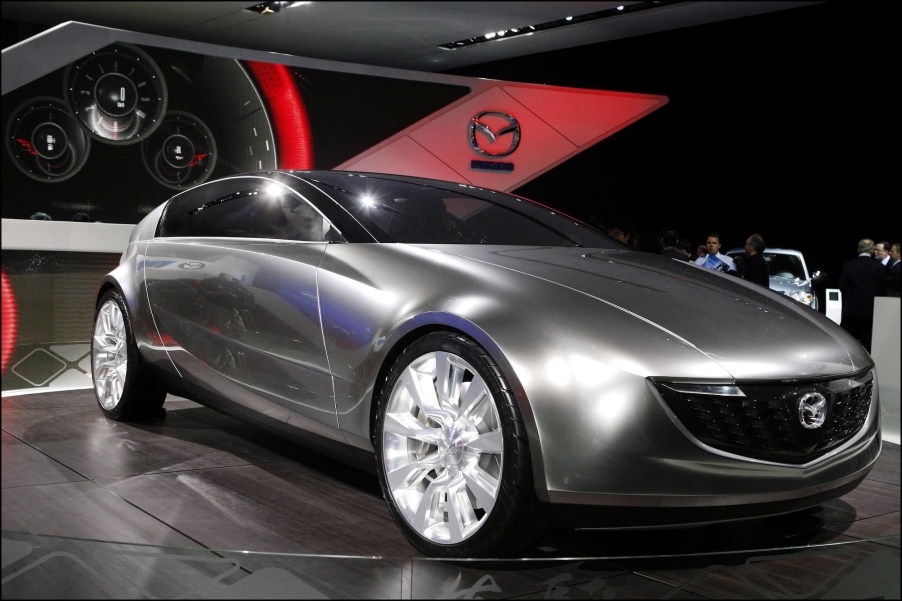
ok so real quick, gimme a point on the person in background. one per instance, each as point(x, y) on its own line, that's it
point(619, 229)
point(755, 267)
point(41, 216)
point(860, 280)
point(686, 246)
point(892, 270)
point(670, 238)
point(649, 242)
point(713, 258)
point(881, 252)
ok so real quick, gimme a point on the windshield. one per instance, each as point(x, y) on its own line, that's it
point(785, 266)
point(400, 211)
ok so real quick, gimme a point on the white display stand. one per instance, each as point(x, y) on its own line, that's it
point(834, 304)
point(885, 339)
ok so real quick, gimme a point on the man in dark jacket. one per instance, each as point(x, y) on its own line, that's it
point(860, 280)
point(892, 270)
point(754, 266)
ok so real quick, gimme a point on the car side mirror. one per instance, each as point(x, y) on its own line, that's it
point(818, 276)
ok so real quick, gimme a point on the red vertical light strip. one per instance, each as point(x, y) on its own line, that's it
point(10, 323)
point(289, 114)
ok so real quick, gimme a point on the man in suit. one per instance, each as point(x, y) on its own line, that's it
point(860, 280)
point(881, 253)
point(892, 271)
point(754, 266)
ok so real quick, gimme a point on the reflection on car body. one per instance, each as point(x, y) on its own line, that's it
point(499, 365)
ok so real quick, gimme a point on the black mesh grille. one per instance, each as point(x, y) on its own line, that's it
point(765, 423)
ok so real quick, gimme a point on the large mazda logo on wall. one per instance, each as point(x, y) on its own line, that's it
point(494, 134)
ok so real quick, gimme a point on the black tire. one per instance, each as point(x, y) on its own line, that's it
point(472, 464)
point(122, 384)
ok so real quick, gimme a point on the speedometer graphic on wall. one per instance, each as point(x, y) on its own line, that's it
point(118, 93)
point(181, 152)
point(45, 141)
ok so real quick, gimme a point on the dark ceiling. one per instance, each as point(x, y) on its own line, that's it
point(405, 35)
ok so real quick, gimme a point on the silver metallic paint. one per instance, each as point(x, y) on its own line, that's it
point(577, 331)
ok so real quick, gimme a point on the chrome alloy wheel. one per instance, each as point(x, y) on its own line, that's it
point(109, 355)
point(442, 447)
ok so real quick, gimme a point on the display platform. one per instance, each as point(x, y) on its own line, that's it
point(198, 505)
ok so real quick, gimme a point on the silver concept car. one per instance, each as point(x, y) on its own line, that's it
point(499, 365)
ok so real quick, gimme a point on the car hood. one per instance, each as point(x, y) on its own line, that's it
point(789, 285)
point(739, 325)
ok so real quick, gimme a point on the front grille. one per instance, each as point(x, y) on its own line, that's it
point(762, 421)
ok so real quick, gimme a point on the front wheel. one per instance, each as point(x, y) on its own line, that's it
point(452, 453)
point(122, 384)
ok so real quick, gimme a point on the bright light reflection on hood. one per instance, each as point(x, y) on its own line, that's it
point(472, 304)
point(273, 190)
point(593, 378)
point(589, 372)
point(579, 370)
point(610, 407)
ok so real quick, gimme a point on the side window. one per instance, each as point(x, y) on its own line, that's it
point(244, 207)
point(214, 209)
point(281, 213)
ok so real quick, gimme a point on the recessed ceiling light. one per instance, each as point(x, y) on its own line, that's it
point(273, 6)
point(507, 34)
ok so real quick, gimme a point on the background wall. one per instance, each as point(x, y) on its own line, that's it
point(776, 123)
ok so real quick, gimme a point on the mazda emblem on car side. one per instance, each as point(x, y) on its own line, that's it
point(812, 410)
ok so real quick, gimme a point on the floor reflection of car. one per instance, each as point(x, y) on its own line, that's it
point(789, 274)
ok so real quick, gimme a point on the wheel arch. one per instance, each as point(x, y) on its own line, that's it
point(426, 323)
point(119, 281)
point(107, 284)
point(123, 282)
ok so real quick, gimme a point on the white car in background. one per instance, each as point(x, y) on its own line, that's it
point(789, 274)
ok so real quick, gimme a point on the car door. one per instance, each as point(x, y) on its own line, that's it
point(231, 285)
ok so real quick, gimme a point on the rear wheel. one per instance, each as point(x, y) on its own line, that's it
point(122, 385)
point(452, 453)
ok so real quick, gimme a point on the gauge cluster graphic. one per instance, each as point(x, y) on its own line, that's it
point(181, 152)
point(113, 133)
point(45, 141)
point(116, 132)
point(118, 93)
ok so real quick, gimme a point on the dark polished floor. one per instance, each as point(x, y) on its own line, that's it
point(197, 505)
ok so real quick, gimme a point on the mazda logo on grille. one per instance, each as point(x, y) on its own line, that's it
point(812, 410)
point(487, 130)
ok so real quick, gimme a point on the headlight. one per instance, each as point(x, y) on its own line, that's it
point(801, 296)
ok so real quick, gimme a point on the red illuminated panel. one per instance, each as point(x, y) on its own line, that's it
point(555, 124)
point(289, 114)
point(10, 323)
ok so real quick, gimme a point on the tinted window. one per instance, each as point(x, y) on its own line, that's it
point(785, 266)
point(244, 208)
point(398, 211)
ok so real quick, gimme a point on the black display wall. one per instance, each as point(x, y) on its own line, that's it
point(776, 123)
